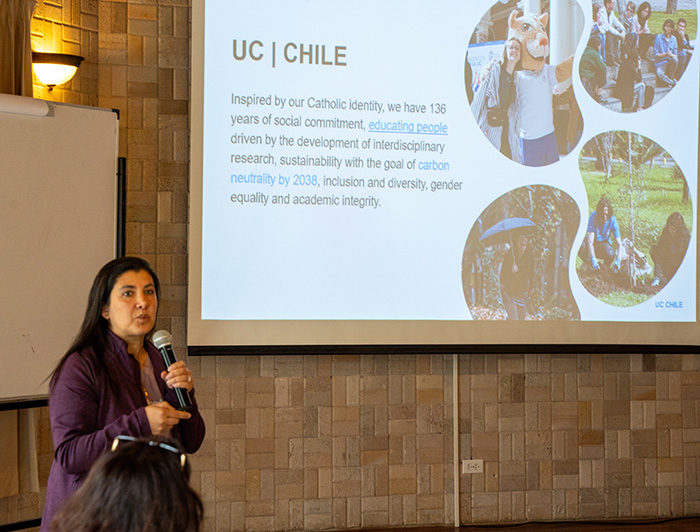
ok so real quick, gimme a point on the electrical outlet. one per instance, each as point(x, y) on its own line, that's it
point(472, 466)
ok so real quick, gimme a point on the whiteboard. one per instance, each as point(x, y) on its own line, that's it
point(58, 197)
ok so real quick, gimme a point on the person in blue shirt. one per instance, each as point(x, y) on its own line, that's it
point(666, 54)
point(602, 229)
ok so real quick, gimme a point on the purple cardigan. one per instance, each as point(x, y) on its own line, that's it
point(86, 416)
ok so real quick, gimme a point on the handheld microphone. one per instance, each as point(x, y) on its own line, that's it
point(164, 342)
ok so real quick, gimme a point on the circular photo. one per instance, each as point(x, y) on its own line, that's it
point(639, 221)
point(636, 52)
point(516, 259)
point(518, 80)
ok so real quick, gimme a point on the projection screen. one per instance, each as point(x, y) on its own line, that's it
point(406, 174)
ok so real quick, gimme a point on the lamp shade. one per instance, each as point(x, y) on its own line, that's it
point(54, 68)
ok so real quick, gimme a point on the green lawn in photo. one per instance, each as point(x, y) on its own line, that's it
point(657, 18)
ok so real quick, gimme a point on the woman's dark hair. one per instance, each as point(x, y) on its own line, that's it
point(504, 60)
point(640, 17)
point(602, 203)
point(680, 236)
point(632, 55)
point(629, 45)
point(138, 487)
point(594, 42)
point(93, 331)
point(676, 221)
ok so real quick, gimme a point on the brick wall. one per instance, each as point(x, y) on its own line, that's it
point(581, 437)
point(319, 442)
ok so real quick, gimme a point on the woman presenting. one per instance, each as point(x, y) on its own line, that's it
point(112, 381)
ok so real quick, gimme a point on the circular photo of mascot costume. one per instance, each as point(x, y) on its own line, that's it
point(518, 72)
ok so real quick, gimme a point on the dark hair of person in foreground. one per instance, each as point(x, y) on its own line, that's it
point(140, 486)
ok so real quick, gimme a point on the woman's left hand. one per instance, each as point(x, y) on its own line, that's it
point(178, 376)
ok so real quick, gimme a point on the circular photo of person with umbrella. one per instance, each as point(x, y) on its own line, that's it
point(515, 260)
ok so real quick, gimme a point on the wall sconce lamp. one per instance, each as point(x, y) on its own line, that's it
point(55, 69)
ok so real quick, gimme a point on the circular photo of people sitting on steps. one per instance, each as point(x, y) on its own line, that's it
point(639, 221)
point(637, 51)
point(515, 263)
point(519, 82)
